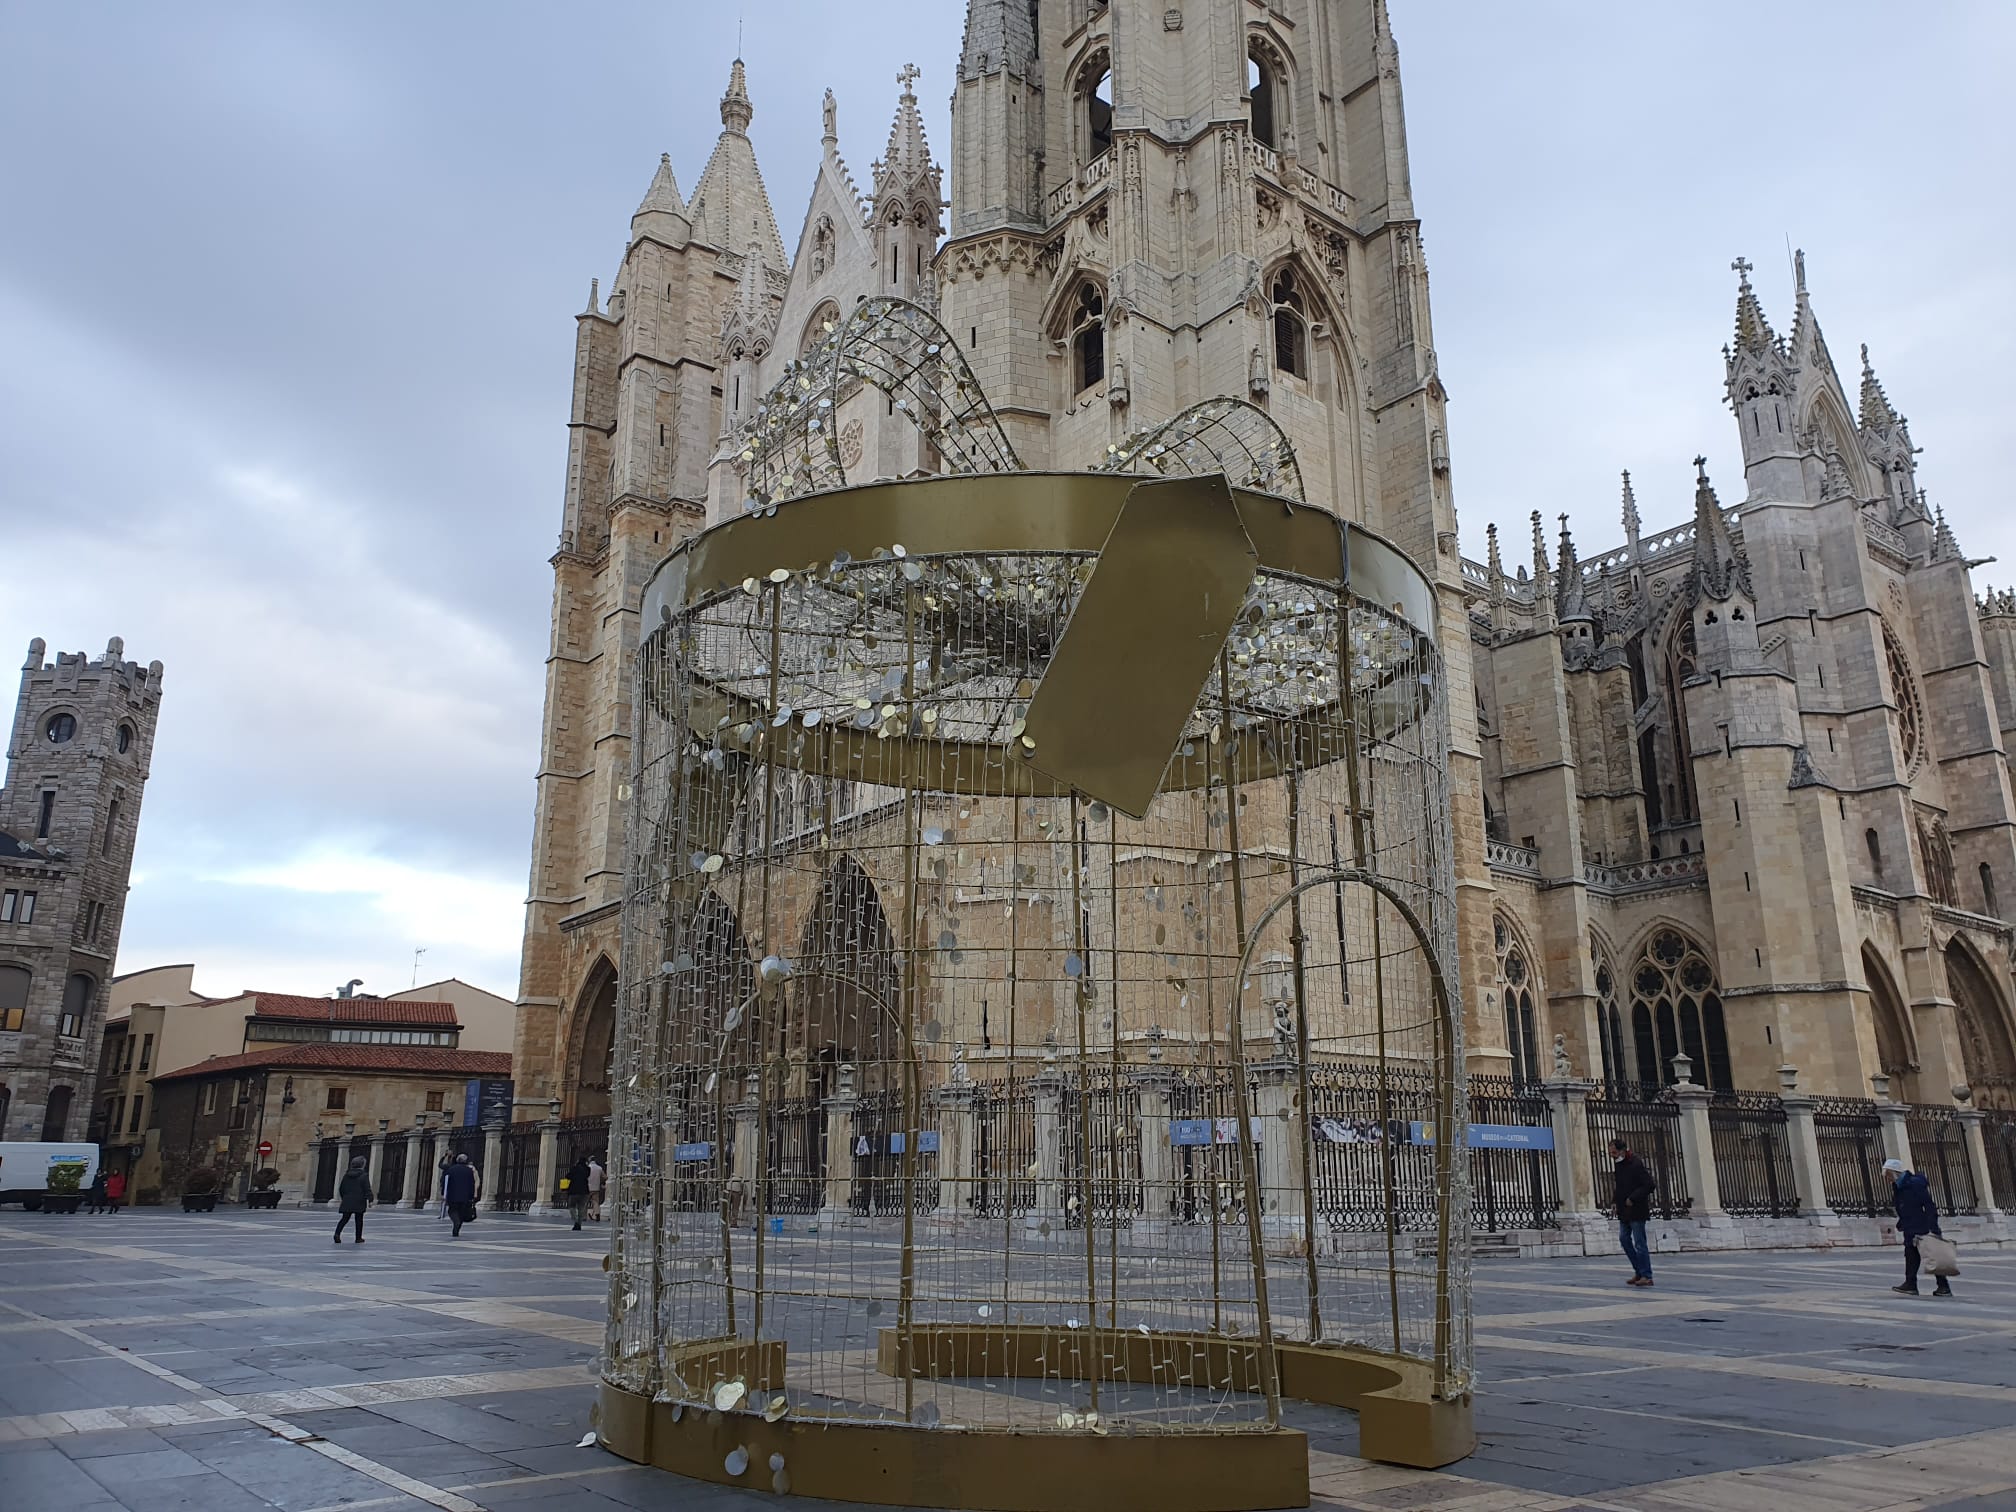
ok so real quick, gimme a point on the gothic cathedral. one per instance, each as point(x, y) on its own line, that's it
point(1793, 698)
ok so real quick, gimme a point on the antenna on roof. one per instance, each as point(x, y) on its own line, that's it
point(418, 952)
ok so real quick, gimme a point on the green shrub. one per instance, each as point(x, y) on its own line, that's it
point(201, 1183)
point(68, 1177)
point(265, 1177)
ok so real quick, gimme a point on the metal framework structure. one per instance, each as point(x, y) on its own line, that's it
point(981, 1032)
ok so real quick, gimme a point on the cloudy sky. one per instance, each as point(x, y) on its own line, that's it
point(286, 300)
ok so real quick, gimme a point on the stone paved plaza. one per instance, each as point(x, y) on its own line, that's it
point(159, 1361)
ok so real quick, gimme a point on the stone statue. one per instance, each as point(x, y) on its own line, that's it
point(1563, 1070)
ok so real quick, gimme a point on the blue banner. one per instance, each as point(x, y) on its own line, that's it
point(1495, 1136)
point(699, 1151)
point(927, 1143)
point(1189, 1131)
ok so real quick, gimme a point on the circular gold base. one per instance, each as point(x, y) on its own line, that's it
point(987, 1470)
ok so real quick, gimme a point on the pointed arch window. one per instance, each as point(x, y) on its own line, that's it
point(1609, 1018)
point(1291, 325)
point(1904, 688)
point(1262, 91)
point(1676, 1007)
point(1087, 338)
point(824, 321)
point(1518, 985)
point(1095, 95)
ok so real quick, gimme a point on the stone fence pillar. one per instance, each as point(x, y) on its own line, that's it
point(1574, 1171)
point(1284, 1147)
point(837, 1205)
point(1152, 1089)
point(958, 1155)
point(409, 1186)
point(1970, 1120)
point(377, 1166)
point(315, 1168)
point(1048, 1213)
point(1804, 1139)
point(1895, 1118)
point(548, 1186)
point(493, 1169)
point(1697, 1152)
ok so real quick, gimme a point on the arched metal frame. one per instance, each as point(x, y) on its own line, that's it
point(1224, 436)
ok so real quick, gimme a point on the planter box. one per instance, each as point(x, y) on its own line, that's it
point(193, 1202)
point(269, 1197)
point(62, 1202)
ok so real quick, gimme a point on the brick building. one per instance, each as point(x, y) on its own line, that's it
point(77, 764)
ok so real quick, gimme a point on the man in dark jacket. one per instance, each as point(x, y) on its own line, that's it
point(1635, 1187)
point(577, 1189)
point(355, 1195)
point(461, 1187)
point(1917, 1216)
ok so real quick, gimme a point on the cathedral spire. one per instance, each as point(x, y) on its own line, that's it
point(736, 111)
point(1876, 411)
point(1632, 524)
point(663, 195)
point(1753, 330)
point(1571, 598)
point(1719, 570)
point(906, 167)
point(730, 206)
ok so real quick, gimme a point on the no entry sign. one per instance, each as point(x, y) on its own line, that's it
point(265, 1148)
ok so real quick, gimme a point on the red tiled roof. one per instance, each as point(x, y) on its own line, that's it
point(390, 1060)
point(274, 1005)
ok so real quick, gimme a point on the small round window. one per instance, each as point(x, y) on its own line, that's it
point(61, 728)
point(125, 739)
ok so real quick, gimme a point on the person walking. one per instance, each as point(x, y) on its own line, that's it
point(460, 1189)
point(115, 1191)
point(441, 1187)
point(597, 1178)
point(577, 1190)
point(94, 1195)
point(1634, 1190)
point(354, 1191)
point(1917, 1216)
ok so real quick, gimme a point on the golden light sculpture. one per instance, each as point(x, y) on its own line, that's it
point(1035, 1030)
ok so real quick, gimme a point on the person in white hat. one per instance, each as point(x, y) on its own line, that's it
point(1917, 1216)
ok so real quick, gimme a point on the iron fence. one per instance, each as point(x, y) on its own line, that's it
point(1112, 1190)
point(1367, 1173)
point(326, 1161)
point(428, 1187)
point(1850, 1136)
point(392, 1168)
point(517, 1182)
point(1939, 1151)
point(1209, 1186)
point(1512, 1188)
point(878, 1152)
point(1004, 1148)
point(1649, 1124)
point(1998, 1132)
point(796, 1179)
point(1753, 1155)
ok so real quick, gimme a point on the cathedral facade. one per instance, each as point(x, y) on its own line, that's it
point(1153, 205)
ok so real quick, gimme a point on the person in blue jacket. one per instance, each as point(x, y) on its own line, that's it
point(1917, 1216)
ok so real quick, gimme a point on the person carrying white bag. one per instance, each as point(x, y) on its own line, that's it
point(1918, 1222)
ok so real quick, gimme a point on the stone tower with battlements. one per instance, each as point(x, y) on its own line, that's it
point(77, 762)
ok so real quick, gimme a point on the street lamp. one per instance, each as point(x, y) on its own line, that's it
point(553, 1109)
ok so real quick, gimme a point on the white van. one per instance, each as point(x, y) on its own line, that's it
point(25, 1168)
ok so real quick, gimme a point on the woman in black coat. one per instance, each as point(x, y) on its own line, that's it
point(355, 1195)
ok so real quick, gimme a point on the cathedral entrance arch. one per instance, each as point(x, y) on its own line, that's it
point(1981, 1018)
point(590, 1045)
point(1894, 1050)
point(848, 983)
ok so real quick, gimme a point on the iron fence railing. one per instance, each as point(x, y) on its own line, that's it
point(1998, 1132)
point(517, 1183)
point(1511, 1188)
point(1004, 1148)
point(878, 1154)
point(428, 1187)
point(1939, 1150)
point(327, 1159)
point(1209, 1186)
point(1368, 1174)
point(1649, 1123)
point(796, 1180)
point(1112, 1190)
point(392, 1168)
point(1753, 1155)
point(1850, 1136)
